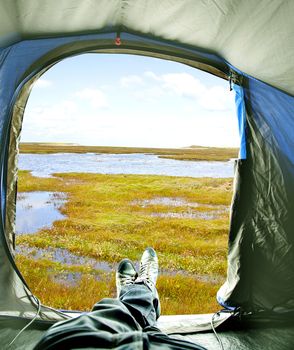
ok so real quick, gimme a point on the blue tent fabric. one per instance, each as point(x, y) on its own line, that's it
point(261, 254)
point(273, 114)
point(241, 115)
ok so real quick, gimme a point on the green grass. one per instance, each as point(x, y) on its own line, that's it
point(105, 221)
point(193, 153)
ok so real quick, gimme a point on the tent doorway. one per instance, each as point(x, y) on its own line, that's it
point(186, 218)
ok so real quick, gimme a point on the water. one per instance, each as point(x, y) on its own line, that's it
point(174, 202)
point(37, 210)
point(44, 165)
point(214, 211)
point(65, 257)
point(71, 278)
point(166, 201)
point(191, 215)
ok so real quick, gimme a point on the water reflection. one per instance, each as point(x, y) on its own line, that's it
point(208, 212)
point(44, 165)
point(37, 210)
point(67, 278)
point(213, 215)
point(167, 201)
point(65, 257)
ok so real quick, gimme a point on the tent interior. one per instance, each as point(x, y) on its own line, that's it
point(247, 42)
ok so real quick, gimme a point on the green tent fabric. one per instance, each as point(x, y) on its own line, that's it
point(249, 42)
point(254, 36)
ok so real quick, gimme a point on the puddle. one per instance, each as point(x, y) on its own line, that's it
point(175, 202)
point(63, 256)
point(67, 278)
point(168, 201)
point(37, 210)
point(211, 215)
point(72, 278)
point(214, 211)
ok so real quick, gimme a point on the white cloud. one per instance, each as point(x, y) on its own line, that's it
point(150, 93)
point(163, 110)
point(68, 121)
point(96, 97)
point(217, 98)
point(183, 84)
point(151, 75)
point(43, 116)
point(65, 120)
point(42, 83)
point(214, 98)
point(131, 80)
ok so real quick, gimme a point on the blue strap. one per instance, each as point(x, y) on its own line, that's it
point(241, 115)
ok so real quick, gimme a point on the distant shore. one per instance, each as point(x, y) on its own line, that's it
point(193, 153)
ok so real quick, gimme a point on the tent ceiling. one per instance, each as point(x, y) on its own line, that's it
point(257, 37)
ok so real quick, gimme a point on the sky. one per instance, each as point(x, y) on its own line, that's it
point(128, 100)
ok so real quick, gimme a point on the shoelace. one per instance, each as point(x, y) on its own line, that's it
point(127, 280)
point(147, 268)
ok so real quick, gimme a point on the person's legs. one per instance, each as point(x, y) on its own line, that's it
point(141, 303)
point(128, 322)
point(105, 325)
point(141, 298)
point(111, 321)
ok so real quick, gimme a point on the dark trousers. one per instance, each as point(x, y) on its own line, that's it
point(125, 323)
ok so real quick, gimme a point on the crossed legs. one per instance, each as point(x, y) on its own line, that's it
point(128, 322)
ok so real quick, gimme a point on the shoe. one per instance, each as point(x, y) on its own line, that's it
point(125, 275)
point(148, 272)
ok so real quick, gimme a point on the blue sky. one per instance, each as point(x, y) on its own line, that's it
point(127, 100)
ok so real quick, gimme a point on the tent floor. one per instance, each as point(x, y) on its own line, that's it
point(281, 338)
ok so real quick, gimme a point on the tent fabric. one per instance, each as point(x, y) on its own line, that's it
point(261, 248)
point(257, 37)
point(253, 40)
point(271, 338)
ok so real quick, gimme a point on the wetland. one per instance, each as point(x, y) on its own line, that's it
point(69, 261)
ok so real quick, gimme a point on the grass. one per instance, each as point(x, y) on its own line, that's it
point(193, 153)
point(108, 219)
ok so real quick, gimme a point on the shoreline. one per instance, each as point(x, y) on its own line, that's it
point(195, 153)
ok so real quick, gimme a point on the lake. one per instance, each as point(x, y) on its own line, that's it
point(44, 165)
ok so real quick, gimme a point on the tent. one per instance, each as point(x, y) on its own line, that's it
point(250, 43)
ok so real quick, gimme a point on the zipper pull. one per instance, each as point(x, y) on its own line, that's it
point(117, 39)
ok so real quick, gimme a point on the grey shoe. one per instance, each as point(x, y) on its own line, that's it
point(148, 272)
point(125, 275)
